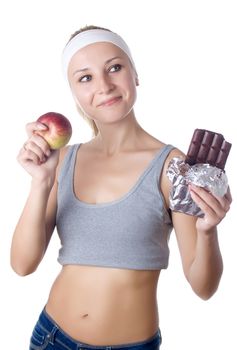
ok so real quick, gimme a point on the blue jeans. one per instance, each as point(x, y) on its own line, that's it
point(48, 335)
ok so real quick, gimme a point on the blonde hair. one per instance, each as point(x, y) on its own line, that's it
point(90, 121)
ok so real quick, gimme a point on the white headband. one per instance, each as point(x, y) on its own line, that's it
point(90, 37)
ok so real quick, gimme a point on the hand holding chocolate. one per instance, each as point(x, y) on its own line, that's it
point(203, 166)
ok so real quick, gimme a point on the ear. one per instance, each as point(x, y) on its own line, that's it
point(137, 81)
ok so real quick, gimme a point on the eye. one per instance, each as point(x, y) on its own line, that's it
point(115, 68)
point(85, 78)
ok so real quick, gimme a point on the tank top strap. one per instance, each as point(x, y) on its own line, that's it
point(161, 158)
point(154, 182)
point(68, 164)
point(149, 182)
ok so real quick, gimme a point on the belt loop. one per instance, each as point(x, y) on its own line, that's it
point(52, 335)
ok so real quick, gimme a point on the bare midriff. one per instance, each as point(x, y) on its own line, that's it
point(100, 305)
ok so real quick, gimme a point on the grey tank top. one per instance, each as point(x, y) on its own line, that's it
point(130, 233)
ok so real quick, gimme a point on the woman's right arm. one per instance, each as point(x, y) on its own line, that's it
point(37, 221)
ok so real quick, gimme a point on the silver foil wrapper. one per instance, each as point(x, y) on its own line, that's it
point(182, 174)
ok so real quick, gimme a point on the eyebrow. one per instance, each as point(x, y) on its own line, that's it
point(87, 68)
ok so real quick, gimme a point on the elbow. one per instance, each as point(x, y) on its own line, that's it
point(24, 265)
point(22, 269)
point(205, 295)
point(205, 286)
point(22, 272)
point(206, 291)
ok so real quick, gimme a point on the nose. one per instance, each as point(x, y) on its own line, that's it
point(105, 85)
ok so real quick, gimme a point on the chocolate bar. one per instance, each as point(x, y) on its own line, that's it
point(208, 147)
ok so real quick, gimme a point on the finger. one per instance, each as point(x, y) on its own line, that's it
point(204, 206)
point(224, 201)
point(39, 146)
point(26, 155)
point(208, 203)
point(41, 143)
point(228, 195)
point(31, 128)
point(32, 148)
point(25, 146)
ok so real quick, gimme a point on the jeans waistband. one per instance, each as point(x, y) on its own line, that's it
point(56, 334)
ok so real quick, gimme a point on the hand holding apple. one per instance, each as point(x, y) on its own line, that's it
point(58, 132)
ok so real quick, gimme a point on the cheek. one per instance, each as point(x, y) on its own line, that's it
point(131, 81)
point(131, 85)
point(81, 98)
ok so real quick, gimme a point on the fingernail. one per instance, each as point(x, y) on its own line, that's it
point(41, 126)
point(48, 153)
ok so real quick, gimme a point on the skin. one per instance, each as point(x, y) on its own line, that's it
point(100, 305)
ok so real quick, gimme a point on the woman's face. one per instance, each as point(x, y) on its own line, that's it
point(103, 82)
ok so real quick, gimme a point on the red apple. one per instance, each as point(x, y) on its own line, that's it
point(59, 129)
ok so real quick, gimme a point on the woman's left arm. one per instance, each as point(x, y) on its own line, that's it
point(198, 241)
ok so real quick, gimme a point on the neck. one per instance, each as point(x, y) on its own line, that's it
point(118, 137)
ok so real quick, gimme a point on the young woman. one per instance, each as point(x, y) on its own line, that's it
point(108, 199)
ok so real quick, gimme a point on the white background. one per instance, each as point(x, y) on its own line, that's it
point(185, 53)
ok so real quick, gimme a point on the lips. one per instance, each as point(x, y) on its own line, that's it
point(110, 101)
